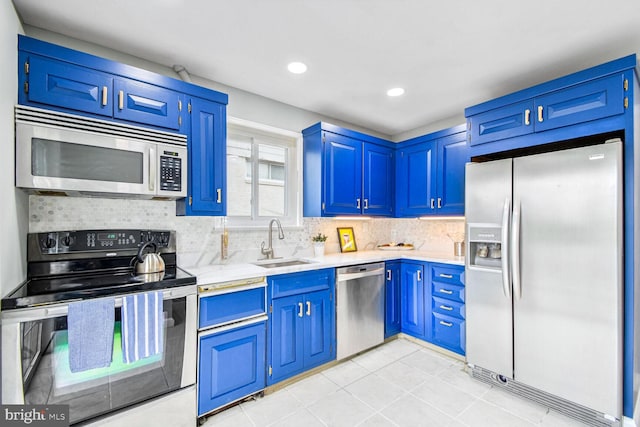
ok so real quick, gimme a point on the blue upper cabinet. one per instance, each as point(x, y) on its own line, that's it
point(60, 84)
point(148, 104)
point(347, 173)
point(379, 183)
point(430, 174)
point(343, 175)
point(206, 188)
point(585, 103)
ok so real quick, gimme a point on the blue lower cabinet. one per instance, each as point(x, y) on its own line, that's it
point(287, 329)
point(413, 300)
point(231, 366)
point(392, 306)
point(302, 323)
point(449, 332)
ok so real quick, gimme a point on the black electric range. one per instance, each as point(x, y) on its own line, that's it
point(64, 266)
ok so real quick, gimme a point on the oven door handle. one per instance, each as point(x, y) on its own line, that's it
point(57, 310)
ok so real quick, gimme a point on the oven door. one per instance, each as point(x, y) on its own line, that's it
point(35, 360)
point(58, 159)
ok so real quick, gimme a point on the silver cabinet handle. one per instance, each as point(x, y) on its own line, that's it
point(446, 307)
point(300, 310)
point(218, 195)
point(439, 202)
point(515, 251)
point(366, 203)
point(540, 115)
point(121, 100)
point(389, 275)
point(445, 291)
point(152, 168)
point(527, 117)
point(447, 324)
point(308, 308)
point(104, 95)
point(446, 276)
point(506, 212)
point(357, 203)
point(419, 275)
point(433, 203)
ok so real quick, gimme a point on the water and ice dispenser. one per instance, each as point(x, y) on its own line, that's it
point(485, 247)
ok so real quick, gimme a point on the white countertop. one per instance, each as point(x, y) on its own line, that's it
point(217, 273)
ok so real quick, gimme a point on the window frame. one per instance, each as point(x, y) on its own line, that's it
point(269, 135)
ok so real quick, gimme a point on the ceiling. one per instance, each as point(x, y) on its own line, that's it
point(446, 54)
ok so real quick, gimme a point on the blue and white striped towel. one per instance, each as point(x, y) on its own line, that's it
point(142, 326)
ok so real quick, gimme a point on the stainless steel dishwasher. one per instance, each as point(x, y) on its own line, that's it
point(359, 308)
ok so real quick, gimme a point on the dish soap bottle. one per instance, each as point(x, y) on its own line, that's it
point(224, 241)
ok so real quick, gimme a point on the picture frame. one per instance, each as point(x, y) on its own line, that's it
point(347, 239)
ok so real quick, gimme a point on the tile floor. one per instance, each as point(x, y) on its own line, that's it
point(398, 384)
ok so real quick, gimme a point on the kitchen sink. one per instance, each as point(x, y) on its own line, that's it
point(285, 262)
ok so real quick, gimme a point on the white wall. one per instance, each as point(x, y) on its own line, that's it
point(242, 104)
point(14, 216)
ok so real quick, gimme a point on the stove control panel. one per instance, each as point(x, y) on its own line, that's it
point(58, 242)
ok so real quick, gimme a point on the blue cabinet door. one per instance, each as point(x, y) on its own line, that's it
point(318, 321)
point(147, 104)
point(416, 187)
point(287, 332)
point(452, 157)
point(207, 160)
point(231, 366)
point(64, 85)
point(590, 101)
point(342, 175)
point(413, 299)
point(500, 123)
point(392, 319)
point(379, 182)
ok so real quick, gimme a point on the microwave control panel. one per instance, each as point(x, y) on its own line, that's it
point(170, 172)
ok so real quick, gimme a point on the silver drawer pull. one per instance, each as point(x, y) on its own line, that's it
point(446, 307)
point(445, 291)
point(447, 324)
point(446, 276)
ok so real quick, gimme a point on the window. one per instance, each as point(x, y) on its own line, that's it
point(271, 155)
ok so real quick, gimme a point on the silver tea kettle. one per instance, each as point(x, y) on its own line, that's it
point(151, 262)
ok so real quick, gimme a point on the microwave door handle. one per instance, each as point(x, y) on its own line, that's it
point(152, 168)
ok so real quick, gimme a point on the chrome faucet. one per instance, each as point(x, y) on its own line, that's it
point(268, 252)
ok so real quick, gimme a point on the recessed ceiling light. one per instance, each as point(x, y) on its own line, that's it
point(396, 91)
point(297, 67)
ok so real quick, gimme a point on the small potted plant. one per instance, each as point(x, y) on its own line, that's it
point(318, 244)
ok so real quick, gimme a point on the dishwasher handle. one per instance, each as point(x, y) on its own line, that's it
point(343, 277)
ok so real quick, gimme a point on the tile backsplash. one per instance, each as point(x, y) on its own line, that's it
point(198, 238)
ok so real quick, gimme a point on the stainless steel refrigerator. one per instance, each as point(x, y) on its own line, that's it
point(544, 278)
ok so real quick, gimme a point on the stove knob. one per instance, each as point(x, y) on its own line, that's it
point(50, 242)
point(66, 241)
point(164, 239)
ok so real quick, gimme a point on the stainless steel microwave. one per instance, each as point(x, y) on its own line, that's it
point(64, 153)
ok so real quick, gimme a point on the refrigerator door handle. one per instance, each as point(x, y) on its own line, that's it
point(506, 285)
point(515, 251)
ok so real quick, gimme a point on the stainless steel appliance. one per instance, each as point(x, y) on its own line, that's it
point(69, 266)
point(545, 280)
point(60, 152)
point(359, 308)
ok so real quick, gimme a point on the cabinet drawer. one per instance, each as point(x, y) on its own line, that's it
point(448, 307)
point(448, 291)
point(505, 122)
point(296, 283)
point(447, 274)
point(449, 333)
point(223, 308)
